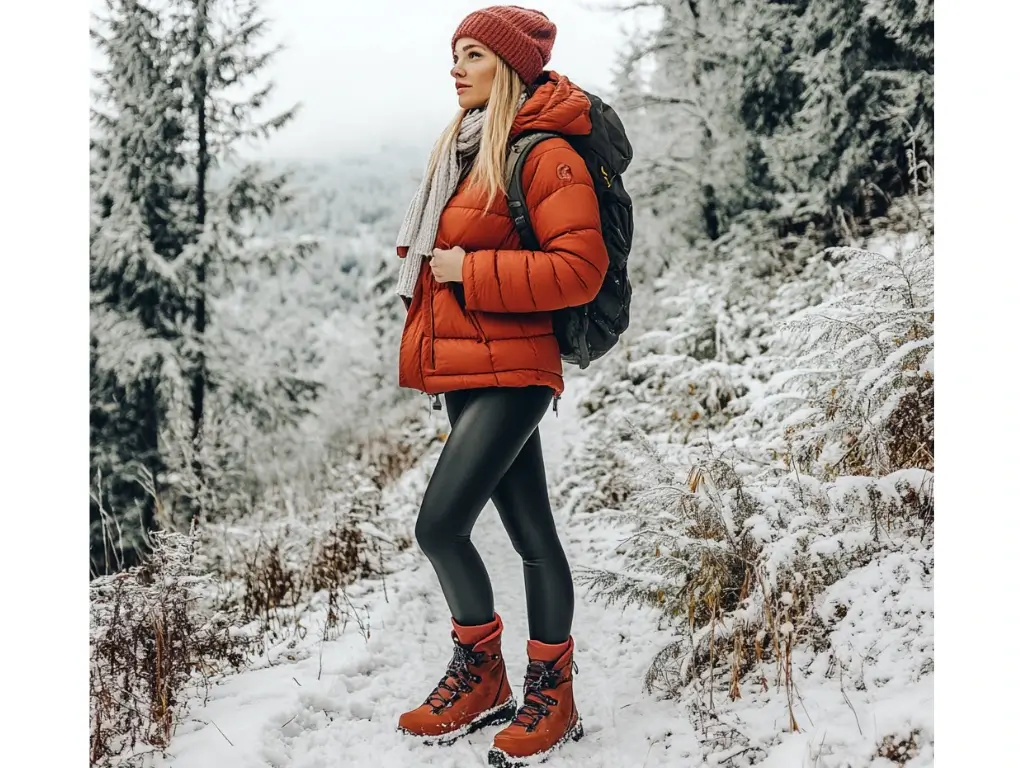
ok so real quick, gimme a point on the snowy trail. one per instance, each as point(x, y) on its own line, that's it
point(283, 715)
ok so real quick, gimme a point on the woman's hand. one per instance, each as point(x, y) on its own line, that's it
point(447, 265)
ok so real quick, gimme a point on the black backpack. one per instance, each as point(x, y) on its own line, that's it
point(587, 332)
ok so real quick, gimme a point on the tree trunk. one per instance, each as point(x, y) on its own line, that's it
point(202, 167)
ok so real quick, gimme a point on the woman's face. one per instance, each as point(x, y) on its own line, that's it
point(475, 65)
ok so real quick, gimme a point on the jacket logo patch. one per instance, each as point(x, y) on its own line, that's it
point(564, 172)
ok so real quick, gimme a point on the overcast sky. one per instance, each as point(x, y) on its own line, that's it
point(376, 71)
point(373, 72)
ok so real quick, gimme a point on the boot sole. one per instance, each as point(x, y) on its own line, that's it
point(503, 713)
point(500, 759)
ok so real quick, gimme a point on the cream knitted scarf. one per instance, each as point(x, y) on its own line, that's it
point(419, 229)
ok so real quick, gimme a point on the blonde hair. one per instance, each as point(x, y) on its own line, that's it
point(488, 169)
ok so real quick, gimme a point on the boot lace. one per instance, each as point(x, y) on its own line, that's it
point(540, 676)
point(458, 678)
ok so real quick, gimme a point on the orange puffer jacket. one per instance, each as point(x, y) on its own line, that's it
point(494, 328)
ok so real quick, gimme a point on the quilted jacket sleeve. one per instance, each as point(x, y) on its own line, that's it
point(571, 265)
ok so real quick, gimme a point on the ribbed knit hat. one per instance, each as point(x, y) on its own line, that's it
point(520, 36)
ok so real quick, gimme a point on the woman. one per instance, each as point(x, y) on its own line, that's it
point(479, 331)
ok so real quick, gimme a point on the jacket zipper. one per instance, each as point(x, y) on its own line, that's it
point(433, 334)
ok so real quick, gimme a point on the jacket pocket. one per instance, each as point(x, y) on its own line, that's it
point(460, 297)
point(476, 324)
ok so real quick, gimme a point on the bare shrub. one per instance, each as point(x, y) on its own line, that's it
point(301, 549)
point(340, 558)
point(394, 446)
point(151, 641)
point(271, 581)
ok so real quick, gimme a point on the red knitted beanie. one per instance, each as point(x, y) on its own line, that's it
point(521, 37)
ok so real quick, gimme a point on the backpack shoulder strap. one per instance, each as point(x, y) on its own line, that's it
point(514, 185)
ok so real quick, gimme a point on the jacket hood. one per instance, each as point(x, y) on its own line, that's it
point(556, 105)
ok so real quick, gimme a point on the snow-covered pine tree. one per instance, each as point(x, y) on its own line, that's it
point(136, 296)
point(171, 239)
point(700, 163)
point(725, 157)
point(792, 117)
point(218, 52)
point(674, 119)
point(860, 129)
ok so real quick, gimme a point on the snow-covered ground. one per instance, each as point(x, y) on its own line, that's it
point(335, 704)
point(317, 704)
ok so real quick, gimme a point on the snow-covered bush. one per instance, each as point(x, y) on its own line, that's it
point(776, 506)
point(739, 562)
point(858, 397)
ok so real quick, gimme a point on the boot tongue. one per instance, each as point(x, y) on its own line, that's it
point(541, 676)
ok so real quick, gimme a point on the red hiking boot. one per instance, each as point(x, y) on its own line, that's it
point(473, 694)
point(548, 717)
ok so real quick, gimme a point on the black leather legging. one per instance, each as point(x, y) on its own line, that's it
point(493, 451)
